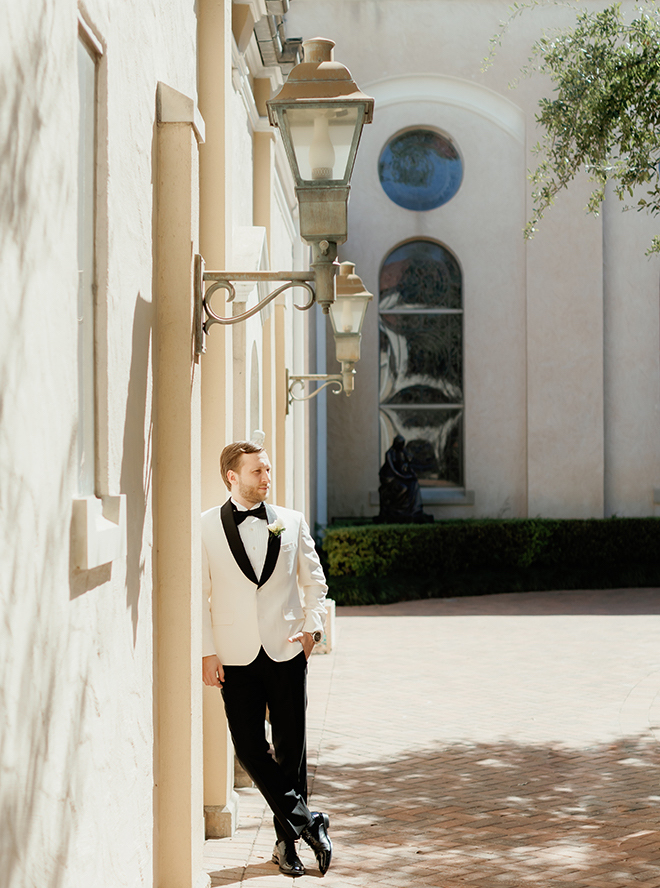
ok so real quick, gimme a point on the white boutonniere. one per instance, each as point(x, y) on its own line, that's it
point(276, 528)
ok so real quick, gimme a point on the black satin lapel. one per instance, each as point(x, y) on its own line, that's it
point(273, 551)
point(236, 543)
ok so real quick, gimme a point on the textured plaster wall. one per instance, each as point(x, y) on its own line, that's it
point(561, 337)
point(76, 648)
point(632, 363)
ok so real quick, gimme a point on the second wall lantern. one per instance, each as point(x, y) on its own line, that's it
point(346, 316)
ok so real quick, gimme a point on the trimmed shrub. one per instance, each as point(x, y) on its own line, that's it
point(395, 562)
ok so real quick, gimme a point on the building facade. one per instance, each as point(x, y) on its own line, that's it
point(134, 136)
point(524, 376)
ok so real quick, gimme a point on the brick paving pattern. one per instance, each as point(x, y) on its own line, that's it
point(509, 740)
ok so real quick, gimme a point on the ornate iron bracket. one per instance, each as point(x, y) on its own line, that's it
point(327, 379)
point(205, 317)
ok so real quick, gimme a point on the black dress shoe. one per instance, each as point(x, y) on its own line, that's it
point(285, 856)
point(316, 836)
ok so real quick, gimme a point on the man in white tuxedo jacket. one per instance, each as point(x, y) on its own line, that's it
point(264, 610)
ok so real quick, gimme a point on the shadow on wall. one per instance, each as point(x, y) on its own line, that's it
point(27, 87)
point(136, 471)
point(136, 466)
point(40, 737)
point(42, 727)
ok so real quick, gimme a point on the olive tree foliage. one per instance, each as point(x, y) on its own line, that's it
point(604, 117)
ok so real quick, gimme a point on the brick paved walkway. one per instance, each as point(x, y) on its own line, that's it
point(507, 740)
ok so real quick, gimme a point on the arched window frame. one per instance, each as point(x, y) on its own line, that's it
point(440, 404)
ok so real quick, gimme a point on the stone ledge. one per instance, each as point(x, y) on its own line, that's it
point(434, 496)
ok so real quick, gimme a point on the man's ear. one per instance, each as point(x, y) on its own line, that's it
point(232, 478)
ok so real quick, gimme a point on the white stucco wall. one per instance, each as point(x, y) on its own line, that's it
point(632, 363)
point(481, 227)
point(77, 784)
point(561, 419)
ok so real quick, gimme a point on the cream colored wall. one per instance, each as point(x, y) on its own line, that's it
point(248, 223)
point(631, 358)
point(565, 364)
point(480, 226)
point(560, 417)
point(98, 690)
point(77, 784)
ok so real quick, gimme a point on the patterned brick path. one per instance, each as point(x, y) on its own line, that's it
point(507, 740)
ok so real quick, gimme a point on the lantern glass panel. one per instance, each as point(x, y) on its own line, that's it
point(348, 313)
point(322, 139)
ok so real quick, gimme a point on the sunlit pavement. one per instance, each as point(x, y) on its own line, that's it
point(505, 740)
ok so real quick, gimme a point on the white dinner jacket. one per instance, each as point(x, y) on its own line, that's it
point(241, 612)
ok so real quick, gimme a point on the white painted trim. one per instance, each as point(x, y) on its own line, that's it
point(286, 210)
point(258, 69)
point(241, 82)
point(244, 69)
point(450, 91)
point(87, 33)
point(284, 177)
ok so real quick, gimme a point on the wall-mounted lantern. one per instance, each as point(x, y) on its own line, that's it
point(320, 112)
point(346, 316)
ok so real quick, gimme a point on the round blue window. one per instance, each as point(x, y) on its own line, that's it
point(420, 170)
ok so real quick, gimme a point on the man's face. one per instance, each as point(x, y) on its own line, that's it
point(250, 484)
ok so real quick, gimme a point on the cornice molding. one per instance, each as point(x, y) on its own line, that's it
point(450, 91)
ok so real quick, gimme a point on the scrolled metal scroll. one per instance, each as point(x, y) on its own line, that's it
point(213, 318)
point(205, 317)
point(323, 378)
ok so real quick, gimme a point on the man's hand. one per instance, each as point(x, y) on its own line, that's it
point(212, 671)
point(307, 641)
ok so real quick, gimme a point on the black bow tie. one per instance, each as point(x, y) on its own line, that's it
point(259, 512)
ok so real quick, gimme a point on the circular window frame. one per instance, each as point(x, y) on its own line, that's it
point(426, 128)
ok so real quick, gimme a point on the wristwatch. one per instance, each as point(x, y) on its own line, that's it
point(316, 636)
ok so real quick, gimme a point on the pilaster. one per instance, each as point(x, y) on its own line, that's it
point(179, 815)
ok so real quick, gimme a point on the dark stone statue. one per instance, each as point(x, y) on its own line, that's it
point(400, 496)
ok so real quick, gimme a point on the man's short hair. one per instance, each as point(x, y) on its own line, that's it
point(232, 455)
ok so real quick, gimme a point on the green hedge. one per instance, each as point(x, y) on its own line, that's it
point(394, 562)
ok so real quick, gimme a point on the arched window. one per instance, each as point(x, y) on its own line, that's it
point(421, 359)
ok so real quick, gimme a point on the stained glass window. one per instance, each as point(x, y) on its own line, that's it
point(421, 359)
point(420, 170)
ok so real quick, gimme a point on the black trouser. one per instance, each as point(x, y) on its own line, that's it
point(247, 690)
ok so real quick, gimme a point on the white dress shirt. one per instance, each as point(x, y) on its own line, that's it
point(254, 536)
